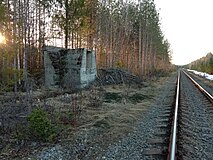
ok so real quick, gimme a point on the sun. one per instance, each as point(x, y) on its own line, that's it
point(2, 38)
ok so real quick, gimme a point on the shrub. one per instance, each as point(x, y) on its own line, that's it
point(40, 126)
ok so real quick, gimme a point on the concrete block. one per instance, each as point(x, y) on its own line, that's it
point(69, 68)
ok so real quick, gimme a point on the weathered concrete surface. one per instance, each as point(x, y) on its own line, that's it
point(69, 68)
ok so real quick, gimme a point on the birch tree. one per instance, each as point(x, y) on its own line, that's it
point(124, 34)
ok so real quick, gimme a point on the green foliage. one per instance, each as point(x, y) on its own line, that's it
point(9, 74)
point(8, 77)
point(74, 17)
point(40, 126)
point(118, 30)
point(3, 16)
point(204, 64)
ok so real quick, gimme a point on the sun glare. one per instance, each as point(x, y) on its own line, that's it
point(2, 38)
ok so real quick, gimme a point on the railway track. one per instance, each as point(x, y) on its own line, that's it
point(195, 121)
point(184, 128)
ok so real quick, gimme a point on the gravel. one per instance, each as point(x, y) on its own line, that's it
point(55, 153)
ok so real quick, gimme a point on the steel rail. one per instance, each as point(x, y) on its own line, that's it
point(209, 96)
point(172, 145)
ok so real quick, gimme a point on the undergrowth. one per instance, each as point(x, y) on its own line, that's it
point(137, 98)
point(116, 97)
point(109, 97)
point(40, 126)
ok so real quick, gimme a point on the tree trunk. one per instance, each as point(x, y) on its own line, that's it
point(66, 28)
point(140, 68)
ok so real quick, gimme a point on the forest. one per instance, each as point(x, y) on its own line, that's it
point(123, 34)
point(204, 64)
point(132, 57)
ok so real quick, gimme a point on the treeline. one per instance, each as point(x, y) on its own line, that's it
point(124, 34)
point(204, 64)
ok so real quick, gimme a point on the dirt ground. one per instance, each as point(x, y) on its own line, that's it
point(99, 114)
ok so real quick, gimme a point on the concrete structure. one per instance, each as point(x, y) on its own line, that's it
point(69, 68)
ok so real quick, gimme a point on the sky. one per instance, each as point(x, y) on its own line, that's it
point(188, 26)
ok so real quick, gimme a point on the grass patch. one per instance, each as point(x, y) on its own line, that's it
point(137, 98)
point(112, 97)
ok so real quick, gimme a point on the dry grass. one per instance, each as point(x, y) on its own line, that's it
point(116, 117)
point(107, 113)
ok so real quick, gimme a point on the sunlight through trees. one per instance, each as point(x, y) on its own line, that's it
point(124, 34)
point(2, 39)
